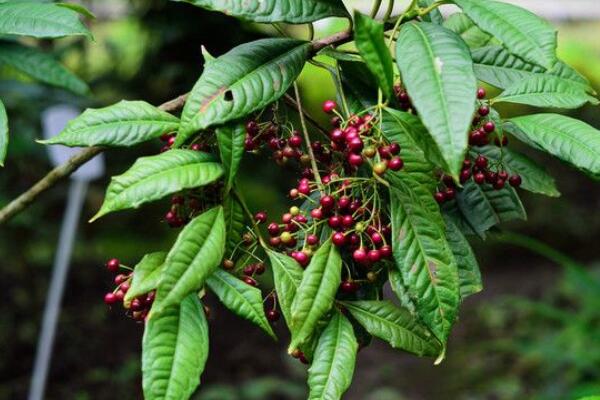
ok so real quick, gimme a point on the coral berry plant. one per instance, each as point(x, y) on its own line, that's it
point(415, 158)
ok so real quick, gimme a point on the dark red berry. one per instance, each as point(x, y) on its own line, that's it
point(338, 239)
point(273, 315)
point(374, 255)
point(316, 213)
point(440, 197)
point(394, 149)
point(260, 217)
point(334, 221)
point(515, 181)
point(349, 287)
point(489, 127)
point(360, 255)
point(481, 93)
point(312, 240)
point(355, 160)
point(329, 106)
point(113, 264)
point(295, 141)
point(484, 111)
point(450, 193)
point(396, 164)
point(386, 251)
point(481, 161)
point(499, 184)
point(250, 281)
point(273, 229)
point(479, 178)
point(252, 128)
point(327, 202)
point(110, 299)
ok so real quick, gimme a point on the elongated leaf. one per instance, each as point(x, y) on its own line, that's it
point(522, 32)
point(244, 300)
point(290, 11)
point(126, 123)
point(41, 20)
point(535, 178)
point(3, 133)
point(194, 257)
point(330, 373)
point(146, 275)
point(234, 223)
point(287, 275)
point(41, 67)
point(371, 45)
point(315, 295)
point(569, 139)
point(399, 288)
point(152, 178)
point(483, 207)
point(469, 276)
point(395, 325)
point(174, 351)
point(245, 79)
point(496, 66)
point(464, 26)
point(424, 258)
point(437, 71)
point(405, 129)
point(231, 146)
point(543, 90)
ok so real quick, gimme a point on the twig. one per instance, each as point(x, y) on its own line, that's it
point(292, 102)
point(313, 161)
point(64, 170)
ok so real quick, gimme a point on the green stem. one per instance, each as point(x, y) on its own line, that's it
point(375, 8)
point(313, 161)
point(254, 226)
point(411, 6)
point(388, 12)
point(432, 7)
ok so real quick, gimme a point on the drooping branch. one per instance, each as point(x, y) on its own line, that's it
point(65, 170)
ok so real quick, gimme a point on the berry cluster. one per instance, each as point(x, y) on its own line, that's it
point(139, 307)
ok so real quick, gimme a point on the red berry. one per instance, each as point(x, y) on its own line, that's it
point(312, 240)
point(349, 287)
point(260, 217)
point(374, 255)
point(110, 299)
point(396, 164)
point(440, 197)
point(394, 149)
point(327, 202)
point(338, 239)
point(301, 257)
point(465, 174)
point(376, 238)
point(329, 106)
point(355, 160)
point(386, 251)
point(450, 193)
point(295, 141)
point(484, 110)
point(250, 281)
point(499, 184)
point(249, 269)
point(347, 221)
point(136, 305)
point(334, 221)
point(316, 213)
point(360, 256)
point(259, 268)
point(273, 229)
point(344, 202)
point(113, 264)
point(481, 161)
point(356, 145)
point(479, 178)
point(273, 315)
point(503, 175)
point(491, 177)
point(515, 181)
point(481, 93)
point(252, 128)
point(489, 127)
point(120, 279)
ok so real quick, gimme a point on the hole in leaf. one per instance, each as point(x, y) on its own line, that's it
point(228, 95)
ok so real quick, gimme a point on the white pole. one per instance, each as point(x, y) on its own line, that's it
point(62, 260)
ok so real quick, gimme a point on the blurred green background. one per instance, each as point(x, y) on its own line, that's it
point(534, 332)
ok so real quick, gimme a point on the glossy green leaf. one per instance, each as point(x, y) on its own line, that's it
point(408, 131)
point(522, 32)
point(424, 258)
point(483, 207)
point(330, 373)
point(394, 325)
point(195, 256)
point(549, 91)
point(230, 139)
point(469, 275)
point(534, 177)
point(41, 20)
point(315, 295)
point(464, 26)
point(496, 66)
point(401, 290)
point(244, 80)
point(268, 11)
point(569, 139)
point(244, 300)
point(174, 351)
point(152, 178)
point(287, 275)
point(234, 223)
point(371, 44)
point(126, 123)
point(437, 71)
point(146, 275)
point(41, 67)
point(3, 133)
